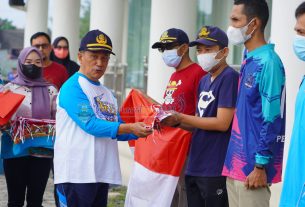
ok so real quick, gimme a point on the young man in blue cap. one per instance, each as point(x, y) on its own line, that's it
point(217, 93)
point(255, 152)
point(87, 129)
point(293, 191)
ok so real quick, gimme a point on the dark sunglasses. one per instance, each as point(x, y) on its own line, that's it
point(43, 46)
point(168, 47)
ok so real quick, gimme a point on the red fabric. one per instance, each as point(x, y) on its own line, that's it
point(55, 74)
point(163, 152)
point(10, 102)
point(137, 108)
point(181, 92)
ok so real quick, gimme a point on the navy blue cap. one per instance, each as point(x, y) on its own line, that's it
point(172, 36)
point(96, 40)
point(210, 36)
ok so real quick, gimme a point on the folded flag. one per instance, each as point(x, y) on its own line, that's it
point(159, 158)
point(9, 103)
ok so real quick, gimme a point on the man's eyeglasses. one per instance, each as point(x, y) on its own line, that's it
point(62, 47)
point(168, 47)
point(43, 46)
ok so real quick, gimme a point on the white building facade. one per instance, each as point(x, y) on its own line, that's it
point(134, 25)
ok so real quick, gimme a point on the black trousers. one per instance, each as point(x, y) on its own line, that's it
point(206, 191)
point(26, 176)
point(82, 194)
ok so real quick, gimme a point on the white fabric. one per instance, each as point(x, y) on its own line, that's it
point(159, 193)
point(80, 157)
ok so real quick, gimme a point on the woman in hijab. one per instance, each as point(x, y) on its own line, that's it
point(60, 54)
point(26, 146)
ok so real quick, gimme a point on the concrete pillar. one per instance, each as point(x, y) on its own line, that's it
point(125, 155)
point(294, 68)
point(107, 16)
point(125, 33)
point(66, 23)
point(36, 19)
point(164, 15)
point(111, 17)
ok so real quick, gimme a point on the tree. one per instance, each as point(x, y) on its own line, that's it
point(84, 19)
point(6, 24)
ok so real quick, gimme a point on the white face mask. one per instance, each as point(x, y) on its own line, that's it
point(207, 60)
point(238, 35)
point(171, 58)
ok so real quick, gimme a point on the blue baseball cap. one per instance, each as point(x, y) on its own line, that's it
point(96, 40)
point(210, 36)
point(172, 36)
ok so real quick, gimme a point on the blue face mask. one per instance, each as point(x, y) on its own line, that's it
point(171, 58)
point(299, 46)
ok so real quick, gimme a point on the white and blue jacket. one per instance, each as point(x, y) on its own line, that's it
point(87, 122)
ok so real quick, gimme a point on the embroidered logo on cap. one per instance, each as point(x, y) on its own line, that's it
point(101, 39)
point(203, 32)
point(165, 38)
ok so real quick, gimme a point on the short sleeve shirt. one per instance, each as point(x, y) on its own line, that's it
point(208, 148)
point(181, 91)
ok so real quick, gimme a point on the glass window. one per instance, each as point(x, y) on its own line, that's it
point(217, 12)
point(138, 42)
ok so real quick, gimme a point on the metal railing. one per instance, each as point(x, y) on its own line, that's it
point(114, 79)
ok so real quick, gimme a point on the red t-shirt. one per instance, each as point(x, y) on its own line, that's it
point(181, 91)
point(55, 74)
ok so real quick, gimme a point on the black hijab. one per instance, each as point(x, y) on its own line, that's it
point(71, 66)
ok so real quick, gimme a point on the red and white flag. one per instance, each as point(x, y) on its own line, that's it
point(159, 158)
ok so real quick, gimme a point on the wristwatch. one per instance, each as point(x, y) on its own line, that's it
point(259, 166)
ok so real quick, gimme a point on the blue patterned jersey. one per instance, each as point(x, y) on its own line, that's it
point(259, 123)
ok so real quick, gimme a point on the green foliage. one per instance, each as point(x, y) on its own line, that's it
point(6, 24)
point(84, 19)
point(118, 197)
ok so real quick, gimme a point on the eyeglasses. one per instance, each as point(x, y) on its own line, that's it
point(168, 47)
point(43, 46)
point(62, 47)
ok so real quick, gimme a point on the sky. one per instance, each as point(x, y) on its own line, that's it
point(18, 17)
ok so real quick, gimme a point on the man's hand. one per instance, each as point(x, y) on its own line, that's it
point(172, 120)
point(256, 179)
point(140, 129)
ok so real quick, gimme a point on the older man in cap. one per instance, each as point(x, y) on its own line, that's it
point(88, 127)
point(217, 92)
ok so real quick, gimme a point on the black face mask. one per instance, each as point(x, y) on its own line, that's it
point(31, 71)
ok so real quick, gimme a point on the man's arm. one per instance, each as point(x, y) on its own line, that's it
point(132, 131)
point(78, 107)
point(225, 110)
point(271, 90)
point(221, 122)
